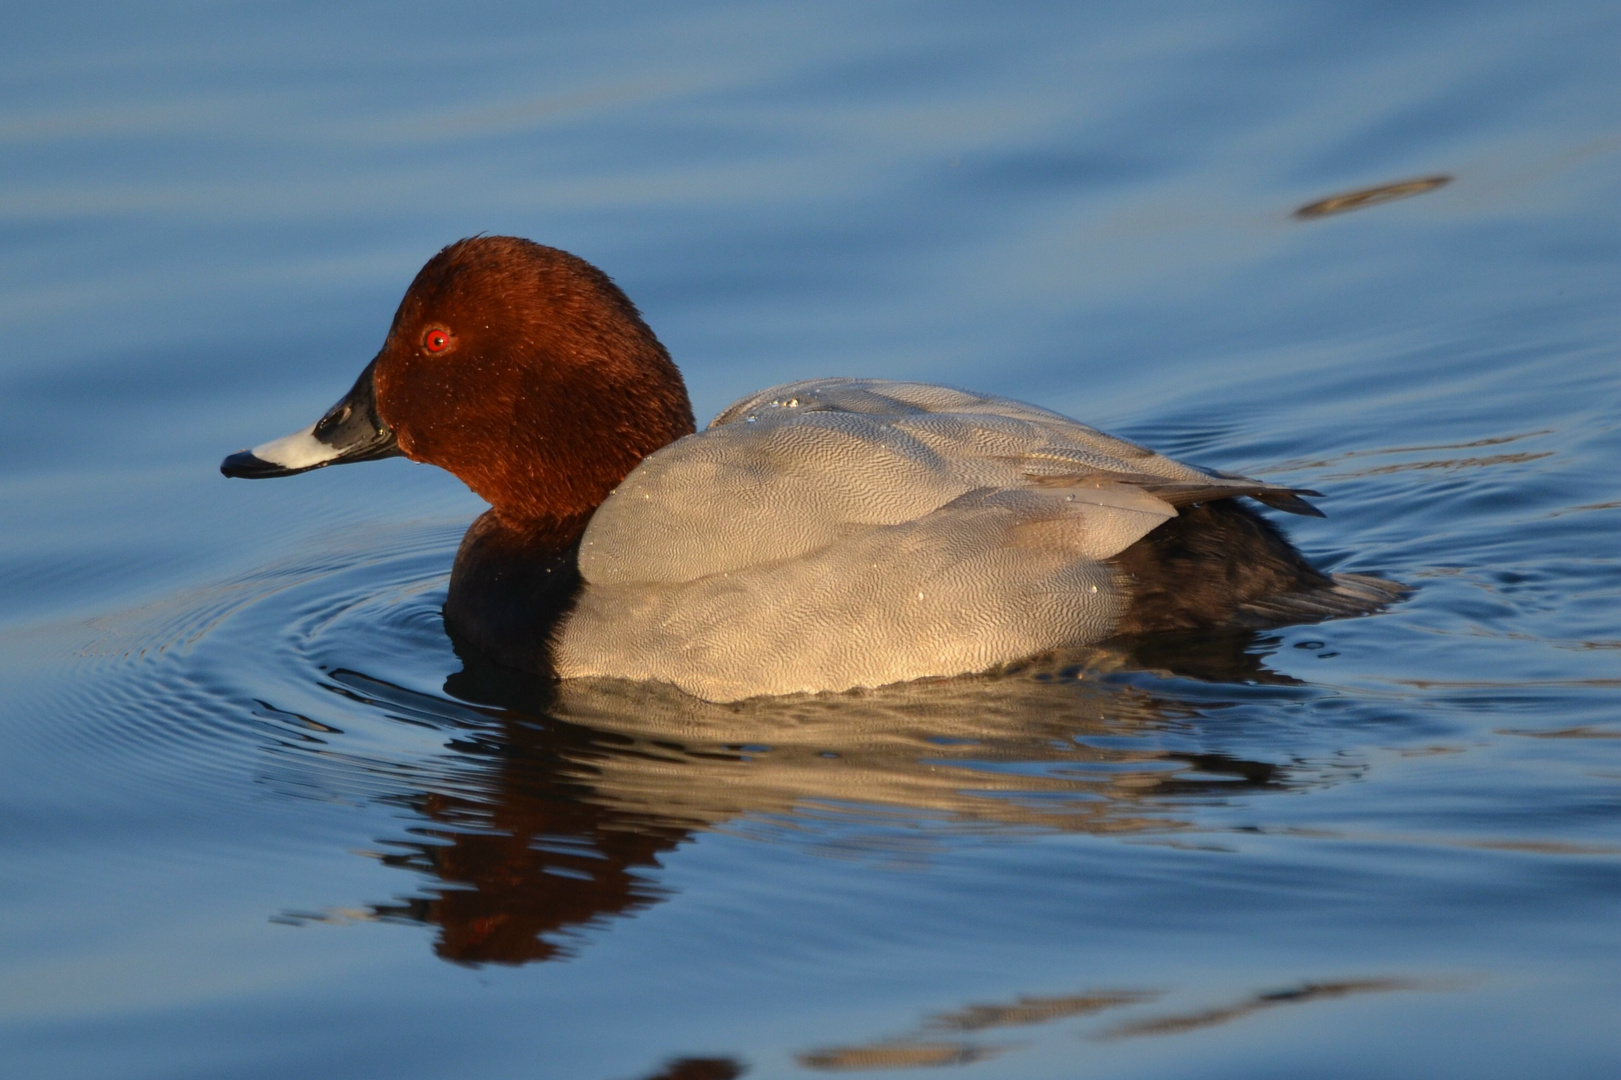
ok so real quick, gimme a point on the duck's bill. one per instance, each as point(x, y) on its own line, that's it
point(350, 431)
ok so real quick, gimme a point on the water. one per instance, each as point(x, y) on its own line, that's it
point(258, 819)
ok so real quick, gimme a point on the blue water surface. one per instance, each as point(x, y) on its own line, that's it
point(258, 819)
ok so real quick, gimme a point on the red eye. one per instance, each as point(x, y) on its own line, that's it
point(436, 340)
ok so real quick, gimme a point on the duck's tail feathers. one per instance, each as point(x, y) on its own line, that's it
point(1345, 596)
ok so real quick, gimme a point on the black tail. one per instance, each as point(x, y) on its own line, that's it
point(1220, 563)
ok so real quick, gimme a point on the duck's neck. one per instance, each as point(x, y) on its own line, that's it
point(511, 584)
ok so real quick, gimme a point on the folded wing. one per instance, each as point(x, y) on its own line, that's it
point(801, 468)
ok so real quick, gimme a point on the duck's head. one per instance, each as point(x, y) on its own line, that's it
point(520, 368)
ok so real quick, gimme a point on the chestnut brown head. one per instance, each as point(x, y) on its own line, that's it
point(520, 368)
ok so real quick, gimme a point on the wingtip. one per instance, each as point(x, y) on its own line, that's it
point(1291, 501)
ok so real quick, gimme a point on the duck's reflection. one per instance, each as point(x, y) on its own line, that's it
point(556, 802)
point(524, 861)
point(701, 1069)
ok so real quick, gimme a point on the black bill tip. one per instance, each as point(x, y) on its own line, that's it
point(351, 430)
point(244, 465)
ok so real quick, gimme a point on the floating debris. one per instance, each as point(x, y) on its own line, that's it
point(1373, 196)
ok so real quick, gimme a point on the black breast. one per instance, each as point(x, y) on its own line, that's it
point(508, 590)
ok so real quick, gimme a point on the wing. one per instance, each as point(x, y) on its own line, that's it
point(800, 468)
point(987, 578)
point(1068, 448)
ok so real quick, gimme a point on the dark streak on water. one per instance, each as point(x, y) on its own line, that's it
point(258, 819)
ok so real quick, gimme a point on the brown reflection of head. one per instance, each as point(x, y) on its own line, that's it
point(527, 858)
point(700, 1069)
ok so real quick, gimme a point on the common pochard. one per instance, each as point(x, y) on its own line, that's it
point(817, 536)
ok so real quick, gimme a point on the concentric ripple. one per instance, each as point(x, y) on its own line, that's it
point(182, 695)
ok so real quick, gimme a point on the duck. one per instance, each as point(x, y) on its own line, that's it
point(819, 536)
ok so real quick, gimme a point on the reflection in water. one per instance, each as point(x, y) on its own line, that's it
point(898, 1055)
point(921, 1051)
point(1582, 731)
point(1037, 1010)
point(530, 863)
point(1371, 196)
point(556, 802)
point(1299, 995)
point(519, 849)
point(700, 1069)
